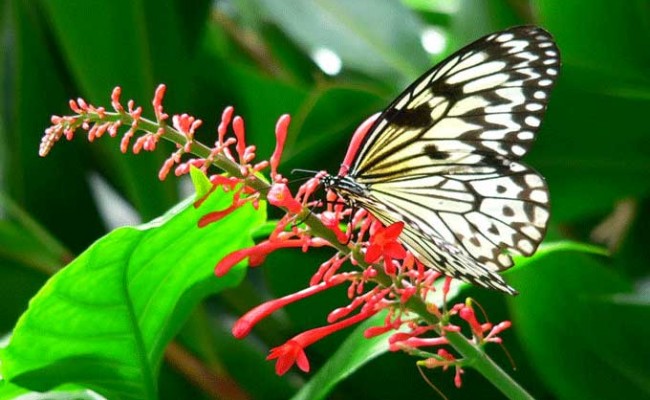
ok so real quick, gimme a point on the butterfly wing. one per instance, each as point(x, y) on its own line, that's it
point(443, 156)
point(468, 224)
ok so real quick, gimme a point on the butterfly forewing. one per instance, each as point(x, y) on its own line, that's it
point(442, 157)
point(489, 98)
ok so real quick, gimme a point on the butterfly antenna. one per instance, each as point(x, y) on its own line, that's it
point(301, 179)
point(304, 171)
point(428, 381)
point(296, 223)
point(311, 208)
point(512, 361)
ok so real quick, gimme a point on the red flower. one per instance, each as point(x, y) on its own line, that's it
point(289, 353)
point(467, 313)
point(255, 254)
point(383, 243)
point(280, 196)
point(355, 143)
point(245, 324)
point(293, 350)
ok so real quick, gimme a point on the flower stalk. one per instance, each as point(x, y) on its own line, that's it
point(401, 283)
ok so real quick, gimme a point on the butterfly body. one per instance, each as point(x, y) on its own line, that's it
point(443, 158)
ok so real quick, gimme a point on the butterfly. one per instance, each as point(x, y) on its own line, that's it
point(443, 158)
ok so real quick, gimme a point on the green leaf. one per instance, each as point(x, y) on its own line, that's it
point(69, 392)
point(583, 339)
point(617, 51)
point(105, 319)
point(357, 32)
point(32, 70)
point(202, 184)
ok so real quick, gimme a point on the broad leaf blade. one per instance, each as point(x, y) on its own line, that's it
point(105, 319)
point(381, 39)
point(571, 315)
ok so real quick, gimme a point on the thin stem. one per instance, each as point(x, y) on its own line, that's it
point(475, 356)
point(481, 362)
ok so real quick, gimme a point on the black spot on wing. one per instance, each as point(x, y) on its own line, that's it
point(432, 151)
point(418, 117)
point(493, 230)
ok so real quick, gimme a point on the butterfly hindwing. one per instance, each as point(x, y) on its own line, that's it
point(435, 252)
point(487, 213)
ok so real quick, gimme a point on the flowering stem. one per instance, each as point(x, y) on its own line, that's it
point(475, 355)
point(487, 367)
point(221, 162)
point(471, 352)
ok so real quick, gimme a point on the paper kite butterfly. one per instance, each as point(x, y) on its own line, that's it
point(444, 158)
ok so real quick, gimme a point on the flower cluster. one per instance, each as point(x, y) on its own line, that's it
point(385, 277)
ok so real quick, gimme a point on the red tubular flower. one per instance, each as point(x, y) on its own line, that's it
point(327, 269)
point(281, 130)
point(228, 262)
point(407, 293)
point(467, 313)
point(357, 138)
point(115, 98)
point(419, 342)
point(217, 215)
point(500, 327)
point(222, 129)
point(256, 253)
point(331, 221)
point(457, 378)
point(240, 134)
point(293, 350)
point(157, 103)
point(383, 243)
point(376, 331)
point(289, 353)
point(244, 325)
point(280, 196)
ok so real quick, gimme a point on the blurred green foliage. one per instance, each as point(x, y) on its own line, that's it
point(580, 324)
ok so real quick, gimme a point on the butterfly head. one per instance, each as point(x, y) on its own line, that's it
point(344, 185)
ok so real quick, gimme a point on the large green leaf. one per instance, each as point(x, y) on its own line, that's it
point(381, 39)
point(105, 319)
point(34, 90)
point(583, 328)
point(615, 50)
point(69, 392)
